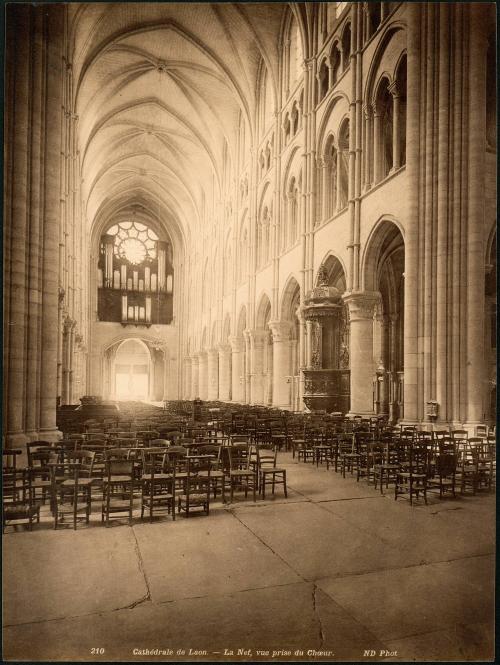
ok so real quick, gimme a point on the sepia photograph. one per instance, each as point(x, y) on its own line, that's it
point(249, 332)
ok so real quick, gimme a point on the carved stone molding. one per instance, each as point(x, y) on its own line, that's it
point(224, 349)
point(281, 330)
point(362, 304)
point(237, 344)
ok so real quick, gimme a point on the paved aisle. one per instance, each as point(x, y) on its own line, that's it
point(331, 572)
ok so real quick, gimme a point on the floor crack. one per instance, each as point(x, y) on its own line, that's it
point(140, 565)
point(268, 546)
point(318, 616)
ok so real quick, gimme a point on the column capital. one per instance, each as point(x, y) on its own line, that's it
point(394, 89)
point(212, 352)
point(361, 304)
point(237, 344)
point(224, 348)
point(281, 330)
point(257, 336)
point(368, 110)
point(195, 359)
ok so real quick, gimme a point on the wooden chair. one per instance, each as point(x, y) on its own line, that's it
point(444, 468)
point(411, 477)
point(197, 486)
point(157, 487)
point(485, 462)
point(468, 461)
point(349, 454)
point(73, 494)
point(364, 439)
point(388, 466)
point(18, 498)
point(118, 487)
point(39, 457)
point(241, 475)
point(267, 471)
point(217, 474)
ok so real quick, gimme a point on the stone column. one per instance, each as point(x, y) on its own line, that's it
point(413, 261)
point(309, 343)
point(247, 384)
point(18, 88)
point(475, 366)
point(237, 368)
point(50, 295)
point(339, 203)
point(224, 372)
point(32, 395)
point(361, 310)
point(203, 375)
point(281, 363)
point(213, 374)
point(257, 339)
point(195, 377)
point(367, 147)
point(167, 375)
point(376, 145)
point(396, 147)
point(187, 378)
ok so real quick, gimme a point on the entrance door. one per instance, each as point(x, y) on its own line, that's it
point(132, 369)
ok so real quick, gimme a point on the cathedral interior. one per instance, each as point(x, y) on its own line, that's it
point(253, 212)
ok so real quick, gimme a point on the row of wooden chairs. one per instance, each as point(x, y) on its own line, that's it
point(164, 474)
point(413, 464)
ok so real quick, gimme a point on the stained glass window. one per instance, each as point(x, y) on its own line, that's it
point(134, 242)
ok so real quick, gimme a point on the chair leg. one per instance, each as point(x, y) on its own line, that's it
point(284, 484)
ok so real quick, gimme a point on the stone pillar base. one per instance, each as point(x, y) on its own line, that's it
point(363, 414)
point(50, 435)
point(16, 440)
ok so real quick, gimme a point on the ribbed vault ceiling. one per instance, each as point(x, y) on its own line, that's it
point(159, 89)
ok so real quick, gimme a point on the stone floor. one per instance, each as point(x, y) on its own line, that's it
point(336, 572)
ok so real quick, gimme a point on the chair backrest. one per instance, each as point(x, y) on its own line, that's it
point(459, 434)
point(39, 459)
point(266, 456)
point(85, 458)
point(158, 443)
point(9, 458)
point(16, 487)
point(119, 467)
point(33, 446)
point(153, 460)
point(198, 480)
point(418, 458)
point(210, 449)
point(446, 463)
point(239, 456)
point(116, 454)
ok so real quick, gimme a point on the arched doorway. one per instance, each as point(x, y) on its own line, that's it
point(286, 332)
point(132, 371)
point(385, 265)
point(262, 370)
